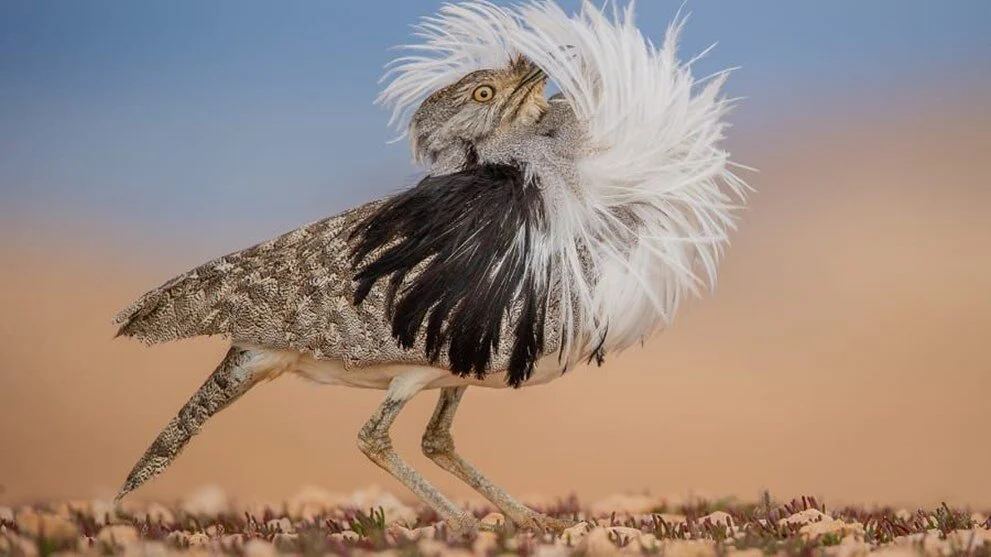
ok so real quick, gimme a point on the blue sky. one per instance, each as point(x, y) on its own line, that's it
point(180, 114)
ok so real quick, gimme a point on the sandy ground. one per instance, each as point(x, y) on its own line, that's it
point(375, 522)
point(844, 355)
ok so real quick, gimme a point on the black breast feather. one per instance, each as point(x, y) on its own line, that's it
point(465, 226)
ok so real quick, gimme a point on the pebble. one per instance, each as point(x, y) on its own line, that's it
point(805, 517)
point(53, 526)
point(829, 525)
point(12, 544)
point(688, 548)
point(285, 542)
point(375, 497)
point(485, 543)
point(259, 548)
point(232, 542)
point(199, 539)
point(494, 519)
point(147, 549)
point(312, 501)
point(118, 535)
point(155, 512)
point(717, 518)
point(575, 534)
point(597, 542)
point(550, 551)
point(283, 525)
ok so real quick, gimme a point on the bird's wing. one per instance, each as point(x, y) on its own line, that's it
point(294, 292)
point(436, 274)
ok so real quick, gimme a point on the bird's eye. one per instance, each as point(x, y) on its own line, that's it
point(483, 93)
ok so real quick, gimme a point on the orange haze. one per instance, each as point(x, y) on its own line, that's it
point(846, 353)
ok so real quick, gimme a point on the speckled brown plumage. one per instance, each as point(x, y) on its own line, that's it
point(292, 292)
point(227, 383)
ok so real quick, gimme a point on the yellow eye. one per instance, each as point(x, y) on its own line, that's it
point(483, 93)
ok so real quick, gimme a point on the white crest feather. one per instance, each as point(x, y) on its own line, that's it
point(653, 133)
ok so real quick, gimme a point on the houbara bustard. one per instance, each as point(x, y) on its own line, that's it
point(547, 232)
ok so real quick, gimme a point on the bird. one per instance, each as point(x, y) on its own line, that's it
point(575, 191)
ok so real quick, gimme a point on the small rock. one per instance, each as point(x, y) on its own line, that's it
point(494, 519)
point(850, 546)
point(7, 513)
point(546, 550)
point(830, 526)
point(207, 500)
point(575, 534)
point(717, 518)
point(752, 552)
point(598, 542)
point(69, 509)
point(625, 505)
point(259, 548)
point(286, 542)
point(311, 502)
point(646, 543)
point(85, 543)
point(12, 544)
point(375, 497)
point(52, 526)
point(232, 542)
point(624, 534)
point(485, 543)
point(155, 513)
point(283, 525)
point(890, 551)
point(102, 512)
point(688, 548)
point(805, 517)
point(424, 532)
point(147, 549)
point(199, 539)
point(177, 538)
point(116, 536)
point(397, 533)
point(969, 540)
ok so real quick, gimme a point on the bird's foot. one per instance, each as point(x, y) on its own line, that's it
point(463, 524)
point(537, 522)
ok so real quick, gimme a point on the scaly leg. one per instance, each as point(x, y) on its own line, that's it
point(438, 445)
point(374, 441)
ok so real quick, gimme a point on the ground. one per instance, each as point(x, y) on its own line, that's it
point(372, 521)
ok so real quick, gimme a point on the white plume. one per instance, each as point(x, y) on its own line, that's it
point(653, 133)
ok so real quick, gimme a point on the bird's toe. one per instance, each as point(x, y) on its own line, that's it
point(538, 522)
point(463, 524)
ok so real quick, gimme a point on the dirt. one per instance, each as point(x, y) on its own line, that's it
point(374, 522)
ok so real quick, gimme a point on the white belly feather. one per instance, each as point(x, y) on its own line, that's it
point(271, 363)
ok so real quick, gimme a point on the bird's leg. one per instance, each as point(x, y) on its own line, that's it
point(374, 441)
point(438, 445)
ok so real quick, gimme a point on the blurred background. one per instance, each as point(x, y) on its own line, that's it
point(844, 354)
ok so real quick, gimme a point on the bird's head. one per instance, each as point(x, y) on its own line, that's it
point(480, 104)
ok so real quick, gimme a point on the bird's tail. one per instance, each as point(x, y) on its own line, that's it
point(232, 378)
